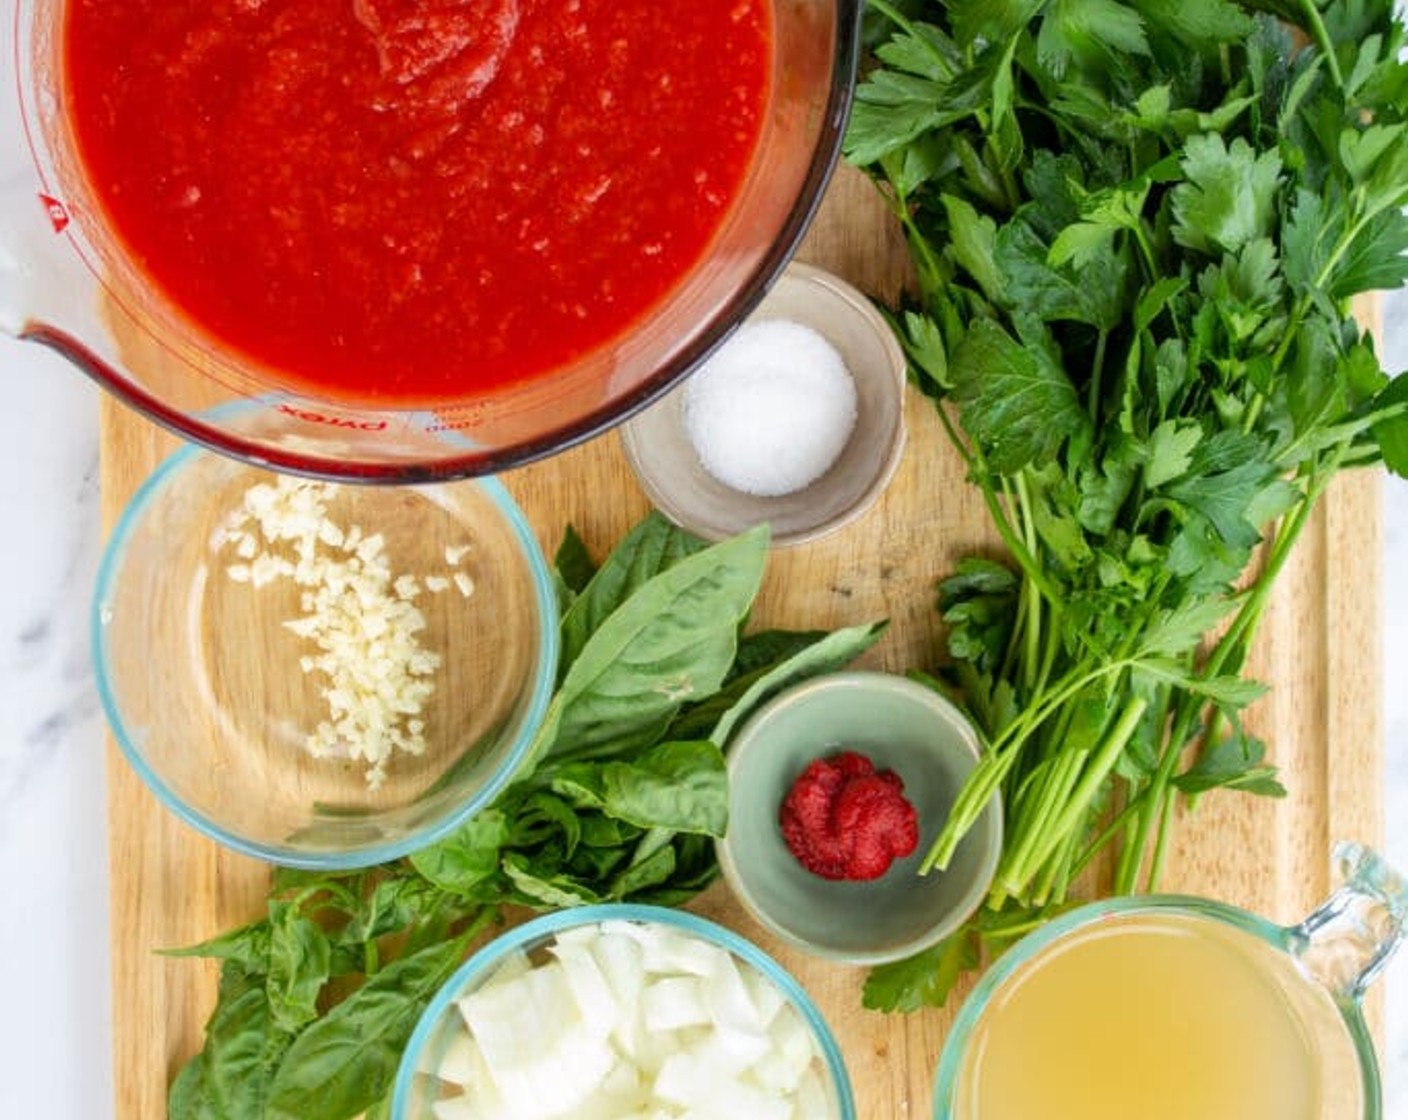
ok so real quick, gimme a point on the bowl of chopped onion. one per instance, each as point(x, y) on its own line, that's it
point(318, 675)
point(622, 1011)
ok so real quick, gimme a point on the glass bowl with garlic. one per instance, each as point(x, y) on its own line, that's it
point(321, 675)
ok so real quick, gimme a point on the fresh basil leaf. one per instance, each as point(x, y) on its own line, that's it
point(644, 875)
point(650, 548)
point(831, 652)
point(299, 963)
point(554, 817)
point(345, 1062)
point(298, 880)
point(573, 562)
point(599, 831)
point(580, 783)
point(763, 649)
point(681, 786)
point(542, 887)
point(242, 1049)
point(468, 856)
point(392, 905)
point(246, 946)
point(673, 640)
point(187, 1098)
point(596, 865)
point(379, 1111)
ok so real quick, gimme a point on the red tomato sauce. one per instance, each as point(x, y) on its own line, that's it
point(407, 199)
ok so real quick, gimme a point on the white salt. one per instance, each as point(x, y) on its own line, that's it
point(772, 409)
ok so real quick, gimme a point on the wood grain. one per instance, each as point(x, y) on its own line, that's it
point(1319, 649)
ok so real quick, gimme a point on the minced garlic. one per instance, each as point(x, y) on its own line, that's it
point(360, 616)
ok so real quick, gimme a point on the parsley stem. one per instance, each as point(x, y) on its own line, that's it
point(1031, 597)
point(1156, 864)
point(1097, 367)
point(1032, 829)
point(1031, 569)
point(1303, 305)
point(1055, 881)
point(1332, 262)
point(1101, 763)
point(1316, 26)
point(1239, 635)
point(1004, 751)
point(1150, 798)
point(926, 263)
point(1106, 834)
point(1156, 799)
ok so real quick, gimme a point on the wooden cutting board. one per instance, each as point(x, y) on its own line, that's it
point(1319, 649)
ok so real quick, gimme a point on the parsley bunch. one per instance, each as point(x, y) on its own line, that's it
point(1137, 228)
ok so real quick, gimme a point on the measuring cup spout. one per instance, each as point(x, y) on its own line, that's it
point(1346, 942)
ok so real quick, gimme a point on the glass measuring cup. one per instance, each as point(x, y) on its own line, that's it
point(66, 282)
point(1287, 1000)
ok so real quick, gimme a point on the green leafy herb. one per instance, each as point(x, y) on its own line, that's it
point(1136, 228)
point(626, 794)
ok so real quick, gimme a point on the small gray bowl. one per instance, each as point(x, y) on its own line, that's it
point(658, 447)
point(901, 725)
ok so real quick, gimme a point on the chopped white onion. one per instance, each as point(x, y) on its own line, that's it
point(631, 1021)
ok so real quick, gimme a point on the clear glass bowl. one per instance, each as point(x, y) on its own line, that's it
point(417, 1087)
point(65, 283)
point(205, 688)
point(1317, 971)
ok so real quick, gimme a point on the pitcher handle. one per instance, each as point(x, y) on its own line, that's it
point(1345, 943)
point(49, 273)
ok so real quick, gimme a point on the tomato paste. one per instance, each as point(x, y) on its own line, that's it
point(408, 199)
point(844, 819)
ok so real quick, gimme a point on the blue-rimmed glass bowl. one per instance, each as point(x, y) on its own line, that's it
point(418, 1087)
point(1307, 982)
point(213, 697)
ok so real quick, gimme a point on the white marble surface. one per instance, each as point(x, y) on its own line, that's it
point(55, 1010)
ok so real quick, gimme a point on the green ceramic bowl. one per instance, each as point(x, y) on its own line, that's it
point(902, 726)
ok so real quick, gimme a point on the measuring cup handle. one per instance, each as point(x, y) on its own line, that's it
point(1346, 941)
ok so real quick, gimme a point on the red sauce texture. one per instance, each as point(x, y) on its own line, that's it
point(407, 199)
point(843, 819)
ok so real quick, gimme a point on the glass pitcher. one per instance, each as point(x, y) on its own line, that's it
point(67, 283)
point(1168, 1006)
